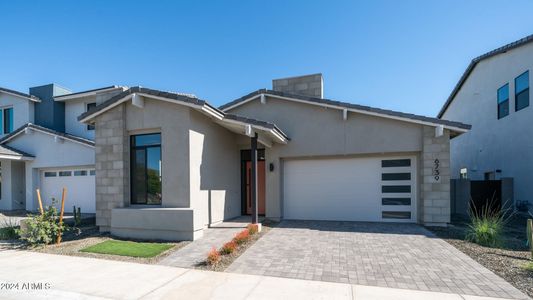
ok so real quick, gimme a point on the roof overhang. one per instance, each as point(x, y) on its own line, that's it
point(10, 153)
point(89, 93)
point(344, 108)
point(59, 136)
point(237, 124)
point(29, 97)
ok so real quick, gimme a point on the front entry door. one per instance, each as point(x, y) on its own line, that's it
point(260, 187)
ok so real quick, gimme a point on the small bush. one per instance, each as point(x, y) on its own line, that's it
point(253, 228)
point(42, 229)
point(486, 227)
point(9, 229)
point(213, 257)
point(228, 248)
point(242, 237)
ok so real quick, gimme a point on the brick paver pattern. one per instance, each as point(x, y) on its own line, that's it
point(379, 254)
point(195, 253)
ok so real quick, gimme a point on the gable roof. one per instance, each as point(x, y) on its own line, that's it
point(19, 94)
point(456, 126)
point(475, 61)
point(66, 136)
point(187, 100)
point(7, 152)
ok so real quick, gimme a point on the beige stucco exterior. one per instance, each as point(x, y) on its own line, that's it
point(201, 163)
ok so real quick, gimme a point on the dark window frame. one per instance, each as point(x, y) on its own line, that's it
point(517, 94)
point(7, 120)
point(503, 102)
point(396, 163)
point(87, 107)
point(133, 148)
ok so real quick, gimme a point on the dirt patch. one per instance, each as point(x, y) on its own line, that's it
point(228, 259)
point(73, 242)
point(506, 261)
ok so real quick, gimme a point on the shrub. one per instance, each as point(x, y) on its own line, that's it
point(213, 257)
point(42, 229)
point(253, 228)
point(228, 248)
point(9, 230)
point(486, 226)
point(242, 237)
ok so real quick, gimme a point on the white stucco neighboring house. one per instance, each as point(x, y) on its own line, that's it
point(168, 165)
point(493, 96)
point(44, 147)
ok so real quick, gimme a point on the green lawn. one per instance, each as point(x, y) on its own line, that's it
point(128, 248)
point(528, 266)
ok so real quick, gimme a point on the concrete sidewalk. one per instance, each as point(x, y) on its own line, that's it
point(65, 277)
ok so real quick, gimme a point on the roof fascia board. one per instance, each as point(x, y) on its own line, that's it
point(87, 94)
point(15, 157)
point(49, 133)
point(281, 139)
point(91, 116)
point(20, 96)
point(244, 101)
point(352, 110)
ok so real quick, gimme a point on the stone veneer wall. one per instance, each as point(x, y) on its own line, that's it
point(112, 164)
point(435, 206)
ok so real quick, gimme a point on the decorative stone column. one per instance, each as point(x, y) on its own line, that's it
point(435, 194)
point(112, 164)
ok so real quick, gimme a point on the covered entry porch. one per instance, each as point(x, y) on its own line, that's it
point(13, 178)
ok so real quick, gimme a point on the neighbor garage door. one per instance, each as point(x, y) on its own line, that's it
point(350, 189)
point(80, 188)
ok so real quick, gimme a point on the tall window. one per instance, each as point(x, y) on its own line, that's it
point(503, 101)
point(6, 120)
point(146, 169)
point(521, 88)
point(89, 107)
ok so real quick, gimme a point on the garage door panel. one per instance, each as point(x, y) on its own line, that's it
point(80, 185)
point(350, 189)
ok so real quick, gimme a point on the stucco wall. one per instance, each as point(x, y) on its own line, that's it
point(22, 110)
point(215, 171)
point(74, 108)
point(48, 153)
point(5, 196)
point(317, 132)
point(494, 144)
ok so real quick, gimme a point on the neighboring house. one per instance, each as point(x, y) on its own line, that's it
point(168, 164)
point(493, 96)
point(43, 146)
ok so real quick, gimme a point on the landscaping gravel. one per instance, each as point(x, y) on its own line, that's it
point(506, 261)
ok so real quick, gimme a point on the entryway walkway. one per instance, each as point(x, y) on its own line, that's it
point(389, 255)
point(195, 253)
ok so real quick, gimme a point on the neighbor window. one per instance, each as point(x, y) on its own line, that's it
point(521, 89)
point(503, 101)
point(6, 120)
point(146, 169)
point(89, 107)
point(80, 173)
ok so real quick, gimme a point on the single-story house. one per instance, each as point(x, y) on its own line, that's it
point(168, 165)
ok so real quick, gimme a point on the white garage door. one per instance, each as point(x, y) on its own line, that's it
point(350, 189)
point(80, 184)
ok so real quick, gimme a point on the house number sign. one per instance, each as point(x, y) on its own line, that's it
point(436, 170)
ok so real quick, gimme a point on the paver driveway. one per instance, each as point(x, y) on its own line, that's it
point(379, 254)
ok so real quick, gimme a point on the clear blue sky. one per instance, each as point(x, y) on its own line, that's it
point(401, 55)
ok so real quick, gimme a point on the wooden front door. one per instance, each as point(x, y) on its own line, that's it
point(260, 187)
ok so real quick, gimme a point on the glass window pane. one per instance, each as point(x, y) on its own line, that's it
point(92, 172)
point(154, 175)
point(395, 163)
point(522, 100)
point(50, 174)
point(8, 120)
point(503, 93)
point(396, 215)
point(80, 173)
point(147, 139)
point(396, 189)
point(395, 176)
point(89, 107)
point(521, 82)
point(396, 201)
point(65, 173)
point(503, 109)
point(138, 183)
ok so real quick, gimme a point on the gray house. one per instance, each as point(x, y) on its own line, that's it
point(168, 165)
point(493, 95)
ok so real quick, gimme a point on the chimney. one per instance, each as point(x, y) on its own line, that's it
point(50, 113)
point(306, 85)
